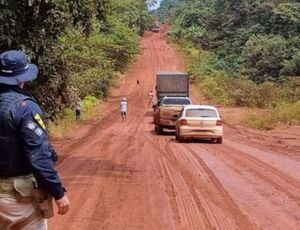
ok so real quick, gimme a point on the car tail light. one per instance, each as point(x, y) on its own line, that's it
point(219, 122)
point(183, 122)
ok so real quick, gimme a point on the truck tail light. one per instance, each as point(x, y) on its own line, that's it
point(219, 122)
point(183, 122)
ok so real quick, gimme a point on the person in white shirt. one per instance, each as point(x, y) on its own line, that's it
point(123, 108)
point(151, 97)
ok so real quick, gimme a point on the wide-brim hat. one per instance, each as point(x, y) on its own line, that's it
point(15, 69)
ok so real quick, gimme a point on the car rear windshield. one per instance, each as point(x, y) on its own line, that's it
point(176, 101)
point(201, 113)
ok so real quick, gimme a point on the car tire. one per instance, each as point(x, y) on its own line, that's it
point(219, 140)
point(159, 129)
point(178, 138)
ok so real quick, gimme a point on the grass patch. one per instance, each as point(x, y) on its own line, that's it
point(287, 113)
point(67, 123)
point(261, 120)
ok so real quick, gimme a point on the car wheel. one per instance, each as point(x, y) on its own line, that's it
point(159, 129)
point(219, 140)
point(178, 138)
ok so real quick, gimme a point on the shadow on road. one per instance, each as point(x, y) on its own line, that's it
point(91, 166)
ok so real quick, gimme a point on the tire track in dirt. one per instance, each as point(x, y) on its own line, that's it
point(108, 169)
point(263, 141)
point(218, 218)
point(279, 160)
point(204, 182)
point(266, 172)
point(264, 201)
point(181, 175)
point(190, 216)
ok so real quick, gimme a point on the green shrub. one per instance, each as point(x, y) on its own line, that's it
point(249, 94)
point(89, 105)
point(66, 122)
point(263, 57)
point(63, 125)
point(216, 88)
point(259, 121)
point(288, 113)
point(244, 92)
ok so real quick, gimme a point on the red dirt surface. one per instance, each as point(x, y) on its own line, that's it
point(121, 175)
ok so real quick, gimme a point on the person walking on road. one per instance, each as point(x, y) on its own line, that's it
point(123, 108)
point(151, 97)
point(28, 179)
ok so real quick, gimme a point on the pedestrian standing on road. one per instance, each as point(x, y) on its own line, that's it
point(78, 106)
point(151, 97)
point(123, 108)
point(26, 157)
point(137, 81)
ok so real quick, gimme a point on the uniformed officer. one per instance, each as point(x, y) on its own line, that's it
point(26, 157)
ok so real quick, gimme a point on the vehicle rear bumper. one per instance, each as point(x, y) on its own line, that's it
point(167, 123)
point(167, 126)
point(201, 133)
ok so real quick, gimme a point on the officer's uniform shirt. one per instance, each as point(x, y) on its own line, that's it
point(27, 117)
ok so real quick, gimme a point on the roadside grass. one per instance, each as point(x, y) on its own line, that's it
point(262, 120)
point(277, 103)
point(66, 123)
point(285, 113)
point(288, 113)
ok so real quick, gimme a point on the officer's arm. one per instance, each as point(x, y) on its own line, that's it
point(37, 148)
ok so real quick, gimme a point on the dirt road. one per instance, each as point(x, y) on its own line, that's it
point(121, 175)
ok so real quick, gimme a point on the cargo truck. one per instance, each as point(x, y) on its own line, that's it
point(172, 92)
point(172, 84)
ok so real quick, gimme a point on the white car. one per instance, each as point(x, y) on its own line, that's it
point(199, 121)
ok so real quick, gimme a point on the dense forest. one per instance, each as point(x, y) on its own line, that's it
point(79, 46)
point(242, 52)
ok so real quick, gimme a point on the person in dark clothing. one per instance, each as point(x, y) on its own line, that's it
point(78, 106)
point(27, 159)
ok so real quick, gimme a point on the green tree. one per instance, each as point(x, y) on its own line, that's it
point(40, 28)
point(264, 56)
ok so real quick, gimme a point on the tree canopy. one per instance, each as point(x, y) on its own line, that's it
point(77, 45)
point(253, 37)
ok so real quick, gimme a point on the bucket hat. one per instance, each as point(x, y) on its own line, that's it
point(15, 69)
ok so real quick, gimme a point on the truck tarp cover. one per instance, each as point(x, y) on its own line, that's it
point(172, 82)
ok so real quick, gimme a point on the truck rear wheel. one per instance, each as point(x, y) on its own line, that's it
point(219, 140)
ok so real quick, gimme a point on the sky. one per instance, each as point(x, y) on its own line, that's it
point(156, 6)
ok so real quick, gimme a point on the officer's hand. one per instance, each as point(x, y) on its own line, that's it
point(62, 205)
